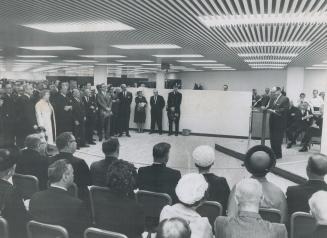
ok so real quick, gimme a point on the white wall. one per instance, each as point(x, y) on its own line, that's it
point(314, 79)
point(236, 80)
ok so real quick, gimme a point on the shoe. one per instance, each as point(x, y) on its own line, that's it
point(303, 149)
point(289, 145)
point(128, 135)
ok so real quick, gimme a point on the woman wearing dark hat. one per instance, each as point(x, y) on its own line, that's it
point(139, 113)
point(259, 160)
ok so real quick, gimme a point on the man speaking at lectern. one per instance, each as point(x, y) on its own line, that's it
point(277, 107)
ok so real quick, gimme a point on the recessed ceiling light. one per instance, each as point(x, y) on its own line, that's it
point(81, 26)
point(152, 64)
point(49, 48)
point(32, 61)
point(267, 60)
point(81, 61)
point(268, 54)
point(269, 43)
point(103, 56)
point(196, 61)
point(134, 61)
point(179, 56)
point(208, 64)
point(37, 56)
point(146, 46)
point(288, 18)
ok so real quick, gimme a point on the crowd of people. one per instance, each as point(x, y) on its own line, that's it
point(83, 110)
point(120, 211)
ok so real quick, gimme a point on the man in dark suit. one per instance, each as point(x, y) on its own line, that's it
point(265, 98)
point(26, 118)
point(99, 169)
point(278, 107)
point(79, 118)
point(125, 100)
point(56, 206)
point(31, 162)
point(314, 130)
point(9, 117)
point(90, 107)
point(11, 203)
point(157, 177)
point(298, 196)
point(63, 110)
point(174, 110)
point(104, 105)
point(66, 144)
point(157, 103)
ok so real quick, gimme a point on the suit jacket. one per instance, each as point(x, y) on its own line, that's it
point(320, 232)
point(14, 210)
point(280, 105)
point(293, 115)
point(103, 101)
point(57, 207)
point(157, 106)
point(248, 224)
point(90, 105)
point(159, 178)
point(265, 100)
point(64, 119)
point(31, 162)
point(78, 110)
point(99, 171)
point(174, 100)
point(298, 196)
point(8, 120)
point(82, 175)
point(218, 189)
point(26, 117)
point(121, 214)
point(125, 102)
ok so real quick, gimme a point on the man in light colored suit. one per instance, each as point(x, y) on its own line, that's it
point(248, 222)
point(104, 103)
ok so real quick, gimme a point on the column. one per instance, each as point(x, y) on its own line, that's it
point(160, 80)
point(100, 74)
point(294, 82)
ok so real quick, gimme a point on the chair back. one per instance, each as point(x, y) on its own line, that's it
point(27, 185)
point(99, 233)
point(211, 210)
point(41, 230)
point(98, 200)
point(152, 204)
point(271, 215)
point(3, 228)
point(302, 224)
point(73, 190)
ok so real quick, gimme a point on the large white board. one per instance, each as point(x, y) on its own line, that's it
point(205, 111)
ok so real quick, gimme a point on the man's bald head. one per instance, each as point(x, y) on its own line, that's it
point(248, 192)
point(173, 228)
point(317, 166)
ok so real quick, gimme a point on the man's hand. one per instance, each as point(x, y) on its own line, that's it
point(76, 123)
point(67, 108)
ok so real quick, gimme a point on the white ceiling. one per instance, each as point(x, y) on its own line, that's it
point(268, 28)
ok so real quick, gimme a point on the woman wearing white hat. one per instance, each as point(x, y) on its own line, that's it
point(204, 158)
point(190, 190)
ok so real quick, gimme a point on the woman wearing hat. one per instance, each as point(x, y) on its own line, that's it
point(139, 113)
point(204, 158)
point(190, 190)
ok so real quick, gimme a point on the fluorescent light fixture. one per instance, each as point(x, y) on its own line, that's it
point(257, 19)
point(192, 70)
point(103, 56)
point(37, 56)
point(129, 66)
point(223, 69)
point(278, 65)
point(151, 64)
point(40, 48)
point(147, 46)
point(321, 68)
point(268, 43)
point(179, 56)
point(196, 61)
point(81, 61)
point(286, 55)
point(66, 64)
point(319, 65)
point(217, 67)
point(208, 65)
point(81, 26)
point(134, 61)
point(267, 60)
point(109, 64)
point(32, 61)
point(47, 68)
point(267, 67)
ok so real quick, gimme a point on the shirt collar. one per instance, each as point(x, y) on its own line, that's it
point(56, 186)
point(8, 181)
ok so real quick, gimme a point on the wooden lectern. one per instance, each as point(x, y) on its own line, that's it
point(259, 125)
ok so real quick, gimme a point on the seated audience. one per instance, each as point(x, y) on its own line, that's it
point(31, 162)
point(157, 177)
point(256, 99)
point(173, 228)
point(99, 169)
point(11, 203)
point(318, 208)
point(259, 160)
point(298, 196)
point(121, 213)
point(67, 145)
point(315, 102)
point(190, 190)
point(204, 157)
point(247, 222)
point(301, 99)
point(56, 206)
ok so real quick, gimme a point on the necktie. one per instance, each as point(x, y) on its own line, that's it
point(155, 99)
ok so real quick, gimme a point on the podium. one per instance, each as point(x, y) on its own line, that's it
point(259, 125)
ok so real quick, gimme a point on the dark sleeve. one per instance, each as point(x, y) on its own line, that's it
point(139, 221)
point(169, 102)
point(85, 176)
point(163, 102)
point(43, 181)
point(226, 192)
point(139, 179)
point(285, 105)
point(151, 101)
point(180, 101)
point(131, 99)
point(291, 203)
point(82, 220)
